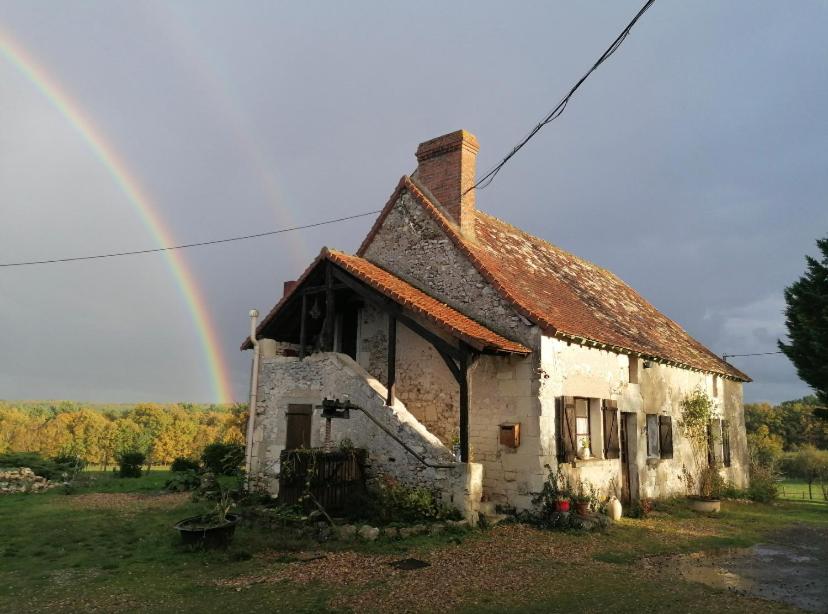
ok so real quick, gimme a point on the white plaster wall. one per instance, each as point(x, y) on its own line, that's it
point(284, 381)
point(424, 383)
point(574, 370)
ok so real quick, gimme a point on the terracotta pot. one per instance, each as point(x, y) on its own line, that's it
point(704, 505)
point(582, 508)
point(562, 505)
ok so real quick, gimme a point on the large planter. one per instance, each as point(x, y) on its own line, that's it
point(704, 505)
point(562, 505)
point(582, 508)
point(194, 532)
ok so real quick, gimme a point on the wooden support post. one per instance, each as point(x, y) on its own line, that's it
point(303, 327)
point(464, 408)
point(330, 312)
point(392, 358)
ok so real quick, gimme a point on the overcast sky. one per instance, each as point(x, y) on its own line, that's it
point(692, 164)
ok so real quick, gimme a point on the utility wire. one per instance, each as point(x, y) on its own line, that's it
point(486, 179)
point(187, 245)
point(726, 356)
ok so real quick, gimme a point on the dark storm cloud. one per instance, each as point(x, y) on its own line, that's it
point(692, 164)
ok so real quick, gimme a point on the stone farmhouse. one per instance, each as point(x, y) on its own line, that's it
point(476, 354)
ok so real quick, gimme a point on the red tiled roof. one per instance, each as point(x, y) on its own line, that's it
point(566, 295)
point(410, 298)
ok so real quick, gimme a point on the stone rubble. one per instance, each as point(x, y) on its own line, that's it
point(23, 479)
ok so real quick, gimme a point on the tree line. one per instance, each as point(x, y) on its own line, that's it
point(100, 434)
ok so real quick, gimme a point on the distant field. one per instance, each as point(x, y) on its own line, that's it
point(797, 490)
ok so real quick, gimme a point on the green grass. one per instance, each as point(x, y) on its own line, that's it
point(59, 552)
point(797, 490)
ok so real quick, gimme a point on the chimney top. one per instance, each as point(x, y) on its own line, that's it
point(447, 166)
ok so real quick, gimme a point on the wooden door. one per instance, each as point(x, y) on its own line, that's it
point(298, 431)
point(625, 459)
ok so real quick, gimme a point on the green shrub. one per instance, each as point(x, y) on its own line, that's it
point(130, 464)
point(223, 458)
point(183, 481)
point(49, 469)
point(396, 502)
point(763, 484)
point(185, 464)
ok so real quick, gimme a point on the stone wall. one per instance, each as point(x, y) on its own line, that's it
point(285, 380)
point(412, 246)
point(573, 370)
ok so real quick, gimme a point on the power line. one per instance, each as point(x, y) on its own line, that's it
point(187, 245)
point(486, 179)
point(726, 356)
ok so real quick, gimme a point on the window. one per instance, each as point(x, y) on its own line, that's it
point(653, 448)
point(581, 423)
point(633, 369)
point(715, 385)
point(659, 436)
point(612, 448)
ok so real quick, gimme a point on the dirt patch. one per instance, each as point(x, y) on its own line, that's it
point(127, 502)
point(792, 568)
point(506, 557)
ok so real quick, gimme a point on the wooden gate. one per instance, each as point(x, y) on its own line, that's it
point(332, 478)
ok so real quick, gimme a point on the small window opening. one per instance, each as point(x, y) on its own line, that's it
point(715, 385)
point(633, 369)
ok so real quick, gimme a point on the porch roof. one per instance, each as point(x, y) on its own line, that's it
point(406, 296)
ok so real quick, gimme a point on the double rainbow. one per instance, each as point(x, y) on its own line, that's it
point(135, 195)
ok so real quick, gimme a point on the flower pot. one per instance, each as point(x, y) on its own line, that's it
point(704, 505)
point(584, 453)
point(194, 532)
point(562, 505)
point(582, 508)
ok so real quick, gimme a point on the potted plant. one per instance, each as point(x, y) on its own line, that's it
point(582, 498)
point(213, 529)
point(584, 452)
point(704, 482)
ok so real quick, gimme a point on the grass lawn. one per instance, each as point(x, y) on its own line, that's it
point(797, 490)
point(110, 547)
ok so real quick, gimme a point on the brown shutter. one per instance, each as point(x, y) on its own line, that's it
point(612, 449)
point(711, 451)
point(665, 436)
point(726, 443)
point(568, 429)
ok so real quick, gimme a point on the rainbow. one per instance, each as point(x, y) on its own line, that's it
point(137, 197)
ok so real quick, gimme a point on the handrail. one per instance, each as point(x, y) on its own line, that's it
point(402, 443)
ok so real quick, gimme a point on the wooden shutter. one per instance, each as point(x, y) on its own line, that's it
point(566, 429)
point(298, 427)
point(612, 449)
point(726, 443)
point(665, 436)
point(711, 450)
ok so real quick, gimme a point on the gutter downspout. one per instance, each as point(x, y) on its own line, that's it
point(254, 389)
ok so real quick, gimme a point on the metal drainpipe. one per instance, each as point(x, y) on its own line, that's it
point(254, 388)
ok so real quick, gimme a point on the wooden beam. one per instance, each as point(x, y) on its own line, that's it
point(455, 370)
point(303, 327)
point(319, 289)
point(464, 408)
point(330, 310)
point(392, 359)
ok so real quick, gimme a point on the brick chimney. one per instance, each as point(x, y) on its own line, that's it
point(446, 166)
point(288, 286)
